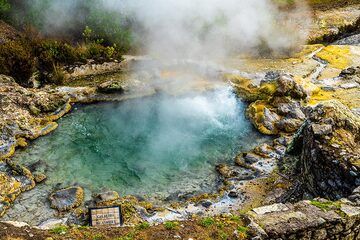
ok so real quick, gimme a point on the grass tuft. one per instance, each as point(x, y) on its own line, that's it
point(171, 225)
point(61, 230)
point(207, 222)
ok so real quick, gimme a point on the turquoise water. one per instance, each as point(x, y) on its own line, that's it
point(156, 146)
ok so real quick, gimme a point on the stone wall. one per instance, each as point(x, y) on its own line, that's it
point(317, 219)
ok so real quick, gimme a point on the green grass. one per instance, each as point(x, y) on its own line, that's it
point(129, 236)
point(98, 237)
point(325, 206)
point(142, 226)
point(235, 218)
point(171, 225)
point(207, 222)
point(243, 231)
point(60, 230)
point(223, 235)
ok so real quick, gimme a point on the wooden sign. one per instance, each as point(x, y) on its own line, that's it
point(107, 216)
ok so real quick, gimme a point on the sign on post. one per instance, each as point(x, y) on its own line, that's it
point(107, 216)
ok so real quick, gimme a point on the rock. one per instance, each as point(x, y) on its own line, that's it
point(21, 142)
point(350, 211)
point(112, 86)
point(67, 199)
point(233, 172)
point(206, 203)
point(321, 129)
point(291, 110)
point(233, 194)
point(263, 118)
point(106, 197)
point(265, 150)
point(272, 75)
point(52, 223)
point(288, 87)
point(349, 85)
point(270, 119)
point(17, 224)
point(39, 177)
point(329, 165)
point(270, 209)
point(348, 71)
point(251, 158)
point(289, 125)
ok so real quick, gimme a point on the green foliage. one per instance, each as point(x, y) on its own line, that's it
point(60, 230)
point(4, 7)
point(143, 225)
point(171, 225)
point(235, 218)
point(99, 52)
point(98, 237)
point(87, 34)
point(325, 206)
point(207, 222)
point(243, 232)
point(129, 236)
point(50, 52)
point(16, 60)
point(89, 21)
point(223, 235)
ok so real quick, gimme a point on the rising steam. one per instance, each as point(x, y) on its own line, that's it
point(199, 29)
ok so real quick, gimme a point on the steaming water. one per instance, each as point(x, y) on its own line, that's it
point(155, 146)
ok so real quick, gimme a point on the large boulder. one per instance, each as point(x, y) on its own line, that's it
point(67, 199)
point(329, 148)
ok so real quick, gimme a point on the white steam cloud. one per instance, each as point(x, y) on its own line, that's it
point(214, 28)
point(201, 29)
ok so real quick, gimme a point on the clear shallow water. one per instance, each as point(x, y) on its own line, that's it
point(155, 146)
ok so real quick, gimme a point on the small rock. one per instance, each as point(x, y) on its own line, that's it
point(251, 158)
point(233, 194)
point(272, 75)
point(321, 129)
point(52, 223)
point(349, 85)
point(348, 71)
point(106, 197)
point(278, 207)
point(39, 177)
point(350, 211)
point(289, 125)
point(21, 142)
point(17, 224)
point(67, 199)
point(206, 203)
point(111, 86)
point(264, 150)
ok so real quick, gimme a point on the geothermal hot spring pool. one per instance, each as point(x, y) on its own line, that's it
point(153, 147)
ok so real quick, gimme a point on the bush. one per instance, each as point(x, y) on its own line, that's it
point(4, 8)
point(143, 225)
point(16, 60)
point(207, 222)
point(60, 230)
point(171, 225)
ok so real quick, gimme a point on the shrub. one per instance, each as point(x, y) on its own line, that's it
point(60, 230)
point(171, 225)
point(207, 222)
point(16, 60)
point(243, 232)
point(98, 237)
point(4, 8)
point(143, 225)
